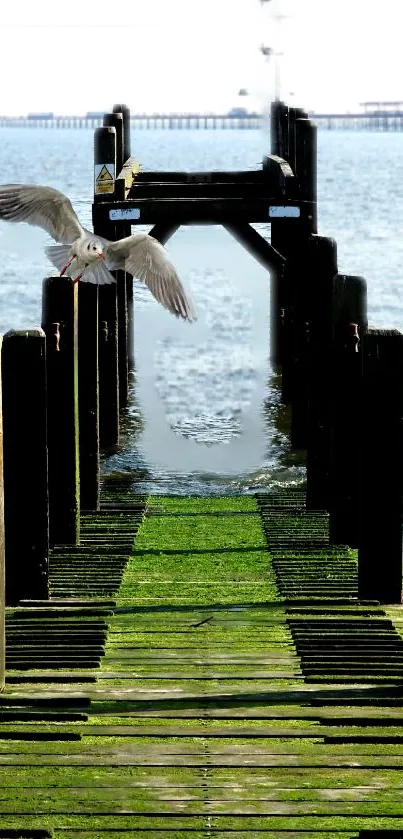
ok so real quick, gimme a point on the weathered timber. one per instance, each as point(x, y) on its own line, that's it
point(279, 129)
point(306, 165)
point(88, 395)
point(105, 142)
point(108, 372)
point(2, 552)
point(26, 504)
point(307, 320)
point(105, 150)
point(380, 494)
point(163, 231)
point(350, 325)
point(125, 111)
point(60, 323)
point(123, 330)
point(115, 120)
point(277, 174)
point(200, 210)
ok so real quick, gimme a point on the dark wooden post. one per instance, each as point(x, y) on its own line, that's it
point(60, 323)
point(26, 510)
point(279, 123)
point(108, 367)
point(306, 164)
point(308, 288)
point(380, 494)
point(2, 556)
point(88, 395)
point(350, 326)
point(125, 230)
point(125, 111)
point(315, 387)
point(105, 150)
point(115, 120)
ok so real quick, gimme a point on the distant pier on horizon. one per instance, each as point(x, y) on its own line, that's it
point(375, 116)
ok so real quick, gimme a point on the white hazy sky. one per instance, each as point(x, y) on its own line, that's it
point(195, 55)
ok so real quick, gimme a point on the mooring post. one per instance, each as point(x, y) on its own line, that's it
point(88, 395)
point(104, 152)
point(108, 367)
point(125, 111)
point(313, 384)
point(2, 554)
point(350, 326)
point(125, 230)
point(60, 323)
point(115, 120)
point(306, 164)
point(380, 493)
point(25, 463)
point(279, 124)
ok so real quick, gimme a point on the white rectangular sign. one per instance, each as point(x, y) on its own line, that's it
point(284, 212)
point(119, 215)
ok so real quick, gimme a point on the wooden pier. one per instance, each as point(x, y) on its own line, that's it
point(378, 119)
point(204, 666)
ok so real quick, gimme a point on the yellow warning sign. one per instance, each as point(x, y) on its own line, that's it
point(104, 178)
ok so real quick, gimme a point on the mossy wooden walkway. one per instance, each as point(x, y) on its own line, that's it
point(222, 681)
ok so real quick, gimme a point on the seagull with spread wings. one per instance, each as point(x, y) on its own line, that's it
point(91, 255)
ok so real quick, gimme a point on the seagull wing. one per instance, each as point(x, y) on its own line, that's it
point(42, 206)
point(144, 258)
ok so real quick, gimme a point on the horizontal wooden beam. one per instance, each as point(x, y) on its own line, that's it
point(202, 211)
point(205, 190)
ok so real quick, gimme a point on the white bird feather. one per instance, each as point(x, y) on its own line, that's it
point(139, 254)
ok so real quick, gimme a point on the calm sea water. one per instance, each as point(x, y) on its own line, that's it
point(205, 415)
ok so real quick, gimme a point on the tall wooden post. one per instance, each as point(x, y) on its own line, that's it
point(60, 323)
point(88, 395)
point(125, 230)
point(350, 326)
point(125, 111)
point(316, 391)
point(115, 120)
point(108, 370)
point(105, 150)
point(380, 495)
point(25, 463)
point(2, 555)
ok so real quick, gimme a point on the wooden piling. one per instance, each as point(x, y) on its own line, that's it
point(88, 395)
point(350, 326)
point(2, 554)
point(380, 475)
point(279, 124)
point(105, 150)
point(60, 323)
point(125, 111)
point(25, 463)
point(105, 164)
point(306, 165)
point(108, 368)
point(115, 120)
point(126, 303)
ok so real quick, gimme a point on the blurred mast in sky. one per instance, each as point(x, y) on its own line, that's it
point(274, 51)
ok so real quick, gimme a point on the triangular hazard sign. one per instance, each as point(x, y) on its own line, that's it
point(104, 175)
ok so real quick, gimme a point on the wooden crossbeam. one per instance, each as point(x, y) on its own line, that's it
point(203, 210)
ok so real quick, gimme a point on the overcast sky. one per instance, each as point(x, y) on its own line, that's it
point(195, 55)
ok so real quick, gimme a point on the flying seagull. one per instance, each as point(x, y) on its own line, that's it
point(91, 255)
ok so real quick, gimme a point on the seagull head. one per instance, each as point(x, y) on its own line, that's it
point(94, 251)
